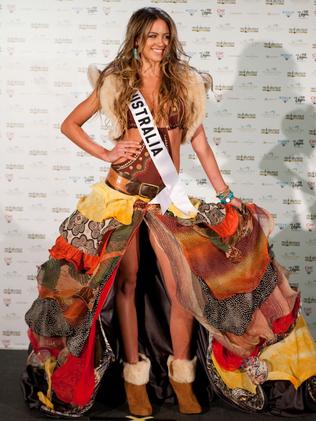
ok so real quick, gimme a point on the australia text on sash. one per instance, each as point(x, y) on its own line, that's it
point(145, 124)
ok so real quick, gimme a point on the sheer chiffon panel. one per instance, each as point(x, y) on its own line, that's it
point(241, 321)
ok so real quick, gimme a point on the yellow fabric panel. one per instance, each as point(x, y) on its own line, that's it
point(293, 358)
point(104, 202)
point(42, 398)
point(235, 379)
point(49, 367)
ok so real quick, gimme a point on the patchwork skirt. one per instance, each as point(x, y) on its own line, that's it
point(254, 348)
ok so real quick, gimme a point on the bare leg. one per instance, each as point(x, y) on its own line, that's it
point(125, 300)
point(181, 321)
point(181, 368)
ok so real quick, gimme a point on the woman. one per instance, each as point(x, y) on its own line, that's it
point(214, 259)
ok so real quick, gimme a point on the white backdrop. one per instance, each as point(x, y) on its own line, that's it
point(262, 127)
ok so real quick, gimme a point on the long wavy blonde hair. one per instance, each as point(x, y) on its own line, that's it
point(174, 66)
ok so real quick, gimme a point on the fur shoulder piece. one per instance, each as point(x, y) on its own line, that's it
point(196, 102)
point(93, 74)
point(109, 93)
point(197, 86)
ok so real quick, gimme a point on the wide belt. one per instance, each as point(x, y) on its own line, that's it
point(132, 187)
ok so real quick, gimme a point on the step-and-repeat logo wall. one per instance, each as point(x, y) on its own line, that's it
point(261, 123)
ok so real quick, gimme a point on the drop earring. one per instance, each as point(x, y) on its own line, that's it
point(135, 53)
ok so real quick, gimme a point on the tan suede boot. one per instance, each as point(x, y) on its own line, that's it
point(136, 376)
point(181, 377)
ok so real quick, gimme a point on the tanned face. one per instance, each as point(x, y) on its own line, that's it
point(157, 41)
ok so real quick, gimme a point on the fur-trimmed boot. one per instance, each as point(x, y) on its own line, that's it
point(136, 376)
point(181, 377)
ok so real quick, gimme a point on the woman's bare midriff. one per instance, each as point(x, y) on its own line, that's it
point(175, 136)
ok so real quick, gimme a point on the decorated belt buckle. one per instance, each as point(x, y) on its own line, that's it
point(152, 189)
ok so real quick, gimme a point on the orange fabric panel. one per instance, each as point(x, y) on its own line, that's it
point(229, 225)
point(63, 250)
point(224, 276)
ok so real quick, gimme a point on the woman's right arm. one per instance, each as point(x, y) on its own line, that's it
point(71, 127)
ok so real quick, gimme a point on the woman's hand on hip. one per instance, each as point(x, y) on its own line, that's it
point(126, 149)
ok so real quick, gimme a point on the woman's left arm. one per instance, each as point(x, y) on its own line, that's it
point(208, 161)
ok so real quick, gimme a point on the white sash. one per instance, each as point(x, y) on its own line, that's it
point(174, 191)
